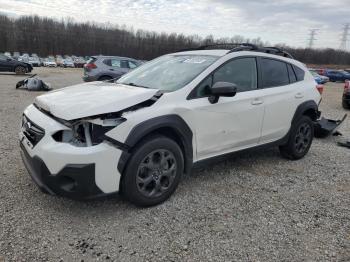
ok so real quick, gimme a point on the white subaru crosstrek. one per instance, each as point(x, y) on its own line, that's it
point(140, 134)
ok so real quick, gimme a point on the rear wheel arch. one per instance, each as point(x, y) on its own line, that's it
point(171, 126)
point(104, 77)
point(308, 108)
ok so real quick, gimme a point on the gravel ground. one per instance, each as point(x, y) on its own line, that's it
point(252, 207)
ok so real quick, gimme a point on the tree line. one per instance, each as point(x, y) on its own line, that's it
point(46, 36)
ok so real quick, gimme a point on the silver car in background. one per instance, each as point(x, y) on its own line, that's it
point(101, 68)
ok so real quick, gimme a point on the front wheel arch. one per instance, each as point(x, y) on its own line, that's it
point(171, 126)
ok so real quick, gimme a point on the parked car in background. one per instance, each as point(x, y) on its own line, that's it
point(319, 78)
point(320, 71)
point(24, 58)
point(50, 62)
point(79, 62)
point(346, 95)
point(59, 60)
point(8, 64)
point(347, 70)
point(41, 61)
point(100, 68)
point(8, 54)
point(68, 62)
point(16, 55)
point(34, 61)
point(337, 75)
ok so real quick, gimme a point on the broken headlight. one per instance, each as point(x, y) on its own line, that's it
point(87, 132)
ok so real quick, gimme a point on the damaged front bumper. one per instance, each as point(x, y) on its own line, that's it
point(64, 169)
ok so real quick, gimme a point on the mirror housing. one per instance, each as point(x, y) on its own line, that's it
point(225, 89)
point(9, 59)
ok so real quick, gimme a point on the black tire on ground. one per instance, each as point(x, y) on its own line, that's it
point(105, 78)
point(20, 70)
point(153, 171)
point(346, 105)
point(300, 139)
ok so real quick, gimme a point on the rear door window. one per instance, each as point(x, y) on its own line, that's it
point(274, 73)
point(124, 64)
point(115, 63)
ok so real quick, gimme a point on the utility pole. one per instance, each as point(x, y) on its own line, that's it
point(312, 37)
point(345, 37)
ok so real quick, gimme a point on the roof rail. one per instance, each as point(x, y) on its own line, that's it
point(203, 47)
point(277, 51)
point(268, 50)
point(244, 47)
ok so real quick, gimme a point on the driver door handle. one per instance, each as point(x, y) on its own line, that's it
point(257, 101)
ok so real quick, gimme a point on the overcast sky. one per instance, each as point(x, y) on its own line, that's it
point(276, 21)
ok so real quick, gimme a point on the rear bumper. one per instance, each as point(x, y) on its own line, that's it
point(73, 181)
point(88, 78)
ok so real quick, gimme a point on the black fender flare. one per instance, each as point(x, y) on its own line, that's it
point(309, 105)
point(175, 123)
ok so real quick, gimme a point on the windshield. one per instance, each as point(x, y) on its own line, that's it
point(168, 73)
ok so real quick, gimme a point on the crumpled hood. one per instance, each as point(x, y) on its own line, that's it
point(94, 98)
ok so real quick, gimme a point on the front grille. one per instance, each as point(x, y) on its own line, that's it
point(32, 132)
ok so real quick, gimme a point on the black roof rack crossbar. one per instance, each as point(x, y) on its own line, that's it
point(203, 47)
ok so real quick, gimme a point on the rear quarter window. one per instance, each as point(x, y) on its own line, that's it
point(300, 73)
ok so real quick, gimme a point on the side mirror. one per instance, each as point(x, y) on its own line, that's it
point(222, 89)
point(8, 59)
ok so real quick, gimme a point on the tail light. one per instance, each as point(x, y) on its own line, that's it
point(90, 66)
point(319, 88)
point(347, 86)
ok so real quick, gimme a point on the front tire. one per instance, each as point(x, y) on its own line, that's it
point(153, 172)
point(20, 70)
point(300, 139)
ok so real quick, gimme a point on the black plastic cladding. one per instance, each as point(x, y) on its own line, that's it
point(174, 122)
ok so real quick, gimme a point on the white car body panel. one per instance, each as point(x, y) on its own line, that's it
point(92, 98)
point(57, 155)
point(232, 124)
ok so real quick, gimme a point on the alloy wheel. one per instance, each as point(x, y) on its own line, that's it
point(156, 173)
point(303, 138)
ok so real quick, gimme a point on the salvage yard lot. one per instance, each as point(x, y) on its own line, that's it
point(253, 206)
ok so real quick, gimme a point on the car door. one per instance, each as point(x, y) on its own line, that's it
point(232, 123)
point(5, 65)
point(283, 91)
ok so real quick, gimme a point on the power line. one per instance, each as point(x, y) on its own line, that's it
point(312, 37)
point(345, 37)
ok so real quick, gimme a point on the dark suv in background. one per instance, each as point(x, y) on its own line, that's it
point(8, 64)
point(100, 68)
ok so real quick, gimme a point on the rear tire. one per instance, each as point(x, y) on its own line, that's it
point(20, 70)
point(300, 139)
point(345, 105)
point(153, 171)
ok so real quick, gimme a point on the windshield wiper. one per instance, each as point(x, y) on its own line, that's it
point(133, 84)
